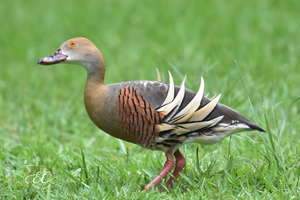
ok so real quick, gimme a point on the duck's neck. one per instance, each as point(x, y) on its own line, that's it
point(96, 70)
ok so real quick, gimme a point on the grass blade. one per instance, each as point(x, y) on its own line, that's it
point(252, 109)
point(85, 168)
point(284, 118)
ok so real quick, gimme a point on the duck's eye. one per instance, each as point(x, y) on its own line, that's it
point(72, 44)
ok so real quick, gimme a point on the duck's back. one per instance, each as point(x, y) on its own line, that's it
point(155, 93)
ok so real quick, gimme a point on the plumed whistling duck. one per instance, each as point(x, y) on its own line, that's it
point(155, 115)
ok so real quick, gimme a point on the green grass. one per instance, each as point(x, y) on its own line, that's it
point(43, 120)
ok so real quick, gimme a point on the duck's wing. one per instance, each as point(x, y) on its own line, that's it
point(176, 115)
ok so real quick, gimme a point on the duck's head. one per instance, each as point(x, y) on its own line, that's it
point(79, 51)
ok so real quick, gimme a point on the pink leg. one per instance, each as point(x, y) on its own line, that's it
point(169, 165)
point(180, 163)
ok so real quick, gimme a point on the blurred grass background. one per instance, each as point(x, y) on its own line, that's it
point(43, 119)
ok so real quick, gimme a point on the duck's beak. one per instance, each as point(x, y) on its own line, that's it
point(55, 58)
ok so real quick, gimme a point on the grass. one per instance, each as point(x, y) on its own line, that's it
point(248, 51)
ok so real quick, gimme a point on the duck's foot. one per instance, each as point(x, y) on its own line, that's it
point(169, 165)
point(180, 163)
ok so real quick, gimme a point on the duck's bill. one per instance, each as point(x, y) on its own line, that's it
point(55, 58)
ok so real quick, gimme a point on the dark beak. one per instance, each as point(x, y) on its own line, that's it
point(55, 58)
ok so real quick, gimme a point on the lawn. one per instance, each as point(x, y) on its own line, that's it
point(246, 50)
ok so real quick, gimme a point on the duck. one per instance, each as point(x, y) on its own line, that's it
point(152, 114)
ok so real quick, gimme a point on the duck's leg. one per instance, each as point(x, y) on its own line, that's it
point(169, 165)
point(180, 163)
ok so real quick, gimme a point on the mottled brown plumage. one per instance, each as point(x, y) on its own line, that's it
point(152, 114)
